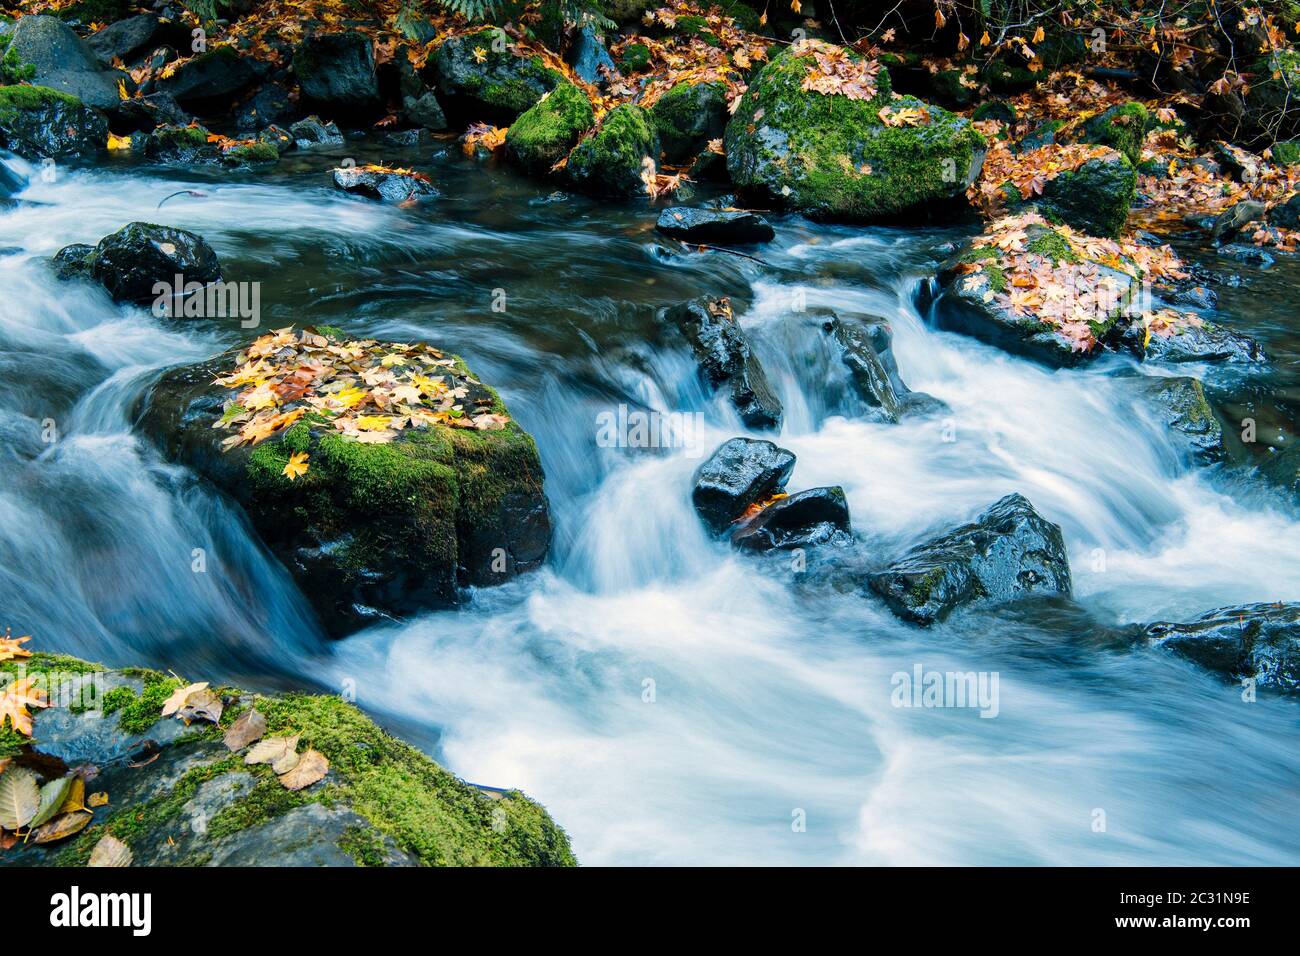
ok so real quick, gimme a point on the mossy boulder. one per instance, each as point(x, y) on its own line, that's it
point(37, 123)
point(479, 78)
point(687, 117)
point(1180, 404)
point(613, 161)
point(547, 131)
point(177, 796)
point(59, 59)
point(187, 145)
point(1121, 127)
point(371, 531)
point(1094, 197)
point(832, 157)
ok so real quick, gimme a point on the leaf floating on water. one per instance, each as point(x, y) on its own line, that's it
point(280, 752)
point(20, 798)
point(248, 727)
point(179, 696)
point(311, 767)
point(110, 851)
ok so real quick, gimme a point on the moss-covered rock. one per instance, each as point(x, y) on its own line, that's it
point(371, 530)
point(177, 796)
point(188, 145)
point(37, 122)
point(1180, 404)
point(688, 116)
point(1287, 152)
point(1095, 197)
point(480, 78)
point(1121, 127)
point(546, 132)
point(635, 58)
point(833, 157)
point(613, 160)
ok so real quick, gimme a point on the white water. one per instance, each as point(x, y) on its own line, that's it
point(771, 697)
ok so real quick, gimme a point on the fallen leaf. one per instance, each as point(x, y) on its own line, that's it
point(311, 767)
point(280, 752)
point(60, 828)
point(110, 851)
point(248, 727)
point(201, 705)
point(20, 798)
point(177, 700)
point(53, 796)
point(296, 465)
point(14, 701)
point(9, 648)
point(97, 799)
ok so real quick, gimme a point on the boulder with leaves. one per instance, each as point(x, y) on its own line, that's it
point(384, 475)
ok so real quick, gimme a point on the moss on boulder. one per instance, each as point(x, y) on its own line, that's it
point(612, 161)
point(688, 116)
point(480, 78)
point(1094, 198)
point(1121, 127)
point(546, 132)
point(37, 122)
point(832, 157)
point(371, 530)
point(179, 797)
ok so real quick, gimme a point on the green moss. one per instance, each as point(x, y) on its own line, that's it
point(1287, 152)
point(139, 712)
point(250, 154)
point(501, 82)
point(267, 800)
point(16, 98)
point(635, 58)
point(611, 161)
point(696, 26)
point(999, 110)
point(1121, 127)
point(688, 116)
point(13, 70)
point(833, 157)
point(545, 133)
point(1052, 245)
point(425, 810)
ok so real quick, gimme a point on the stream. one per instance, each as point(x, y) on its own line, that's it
point(667, 700)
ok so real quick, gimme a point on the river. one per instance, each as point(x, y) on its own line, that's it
point(667, 700)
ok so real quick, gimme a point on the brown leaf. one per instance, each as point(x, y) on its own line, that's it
point(201, 705)
point(280, 752)
point(311, 767)
point(97, 799)
point(248, 727)
point(60, 828)
point(110, 851)
point(177, 700)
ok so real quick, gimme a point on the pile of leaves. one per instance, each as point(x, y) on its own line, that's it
point(836, 72)
point(365, 390)
point(1029, 171)
point(1070, 292)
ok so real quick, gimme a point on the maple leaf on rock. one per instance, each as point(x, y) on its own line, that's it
point(14, 701)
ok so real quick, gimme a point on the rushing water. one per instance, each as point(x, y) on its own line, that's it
point(667, 700)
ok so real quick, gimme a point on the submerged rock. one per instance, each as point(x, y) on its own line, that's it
point(337, 70)
point(1181, 404)
point(132, 261)
point(714, 227)
point(37, 123)
point(63, 62)
point(1260, 642)
point(1282, 469)
point(722, 349)
point(832, 157)
point(688, 116)
point(866, 350)
point(614, 161)
point(1008, 552)
point(805, 519)
point(177, 796)
point(741, 473)
point(480, 78)
point(371, 530)
point(547, 131)
point(389, 185)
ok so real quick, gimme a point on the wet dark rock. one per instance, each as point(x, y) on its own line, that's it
point(803, 520)
point(125, 38)
point(12, 182)
point(688, 116)
point(1286, 215)
point(589, 58)
point(1094, 198)
point(269, 106)
point(425, 111)
point(186, 145)
point(178, 797)
point(723, 351)
point(144, 113)
point(374, 531)
point(313, 132)
point(37, 123)
point(1008, 552)
point(63, 62)
point(337, 71)
point(742, 472)
point(1203, 342)
point(1230, 222)
point(211, 81)
point(1243, 165)
point(279, 139)
point(131, 261)
point(1195, 297)
point(1282, 468)
point(73, 262)
point(387, 185)
point(613, 161)
point(716, 227)
point(1260, 642)
point(866, 349)
point(1181, 404)
point(479, 78)
point(406, 138)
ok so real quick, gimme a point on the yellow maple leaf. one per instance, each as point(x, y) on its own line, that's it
point(119, 142)
point(14, 701)
point(350, 397)
point(9, 648)
point(480, 54)
point(296, 466)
